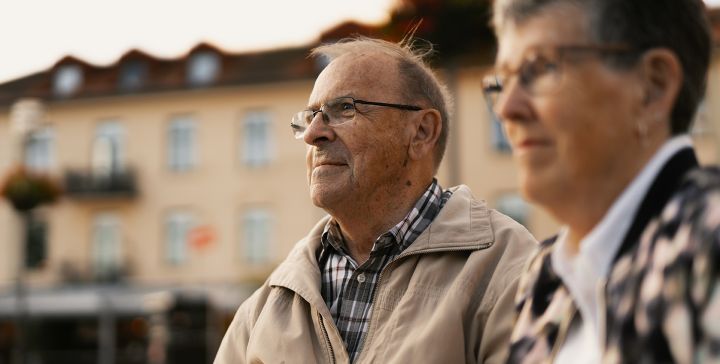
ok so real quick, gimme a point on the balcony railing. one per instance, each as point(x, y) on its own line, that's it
point(101, 184)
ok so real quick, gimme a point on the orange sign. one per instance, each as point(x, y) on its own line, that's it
point(202, 237)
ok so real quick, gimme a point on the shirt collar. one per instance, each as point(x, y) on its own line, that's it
point(604, 240)
point(598, 248)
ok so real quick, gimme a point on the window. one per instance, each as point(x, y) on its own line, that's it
point(499, 140)
point(321, 62)
point(108, 151)
point(68, 79)
point(107, 245)
point(178, 225)
point(36, 231)
point(257, 141)
point(497, 134)
point(513, 205)
point(39, 150)
point(133, 74)
point(256, 236)
point(181, 144)
point(701, 124)
point(203, 68)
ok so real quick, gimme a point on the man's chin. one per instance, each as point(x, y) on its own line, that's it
point(326, 196)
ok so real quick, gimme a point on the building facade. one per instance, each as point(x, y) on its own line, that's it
point(184, 187)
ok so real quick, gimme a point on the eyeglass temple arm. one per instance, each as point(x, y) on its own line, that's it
point(492, 88)
point(397, 106)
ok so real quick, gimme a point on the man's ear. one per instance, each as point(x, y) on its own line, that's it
point(662, 79)
point(428, 126)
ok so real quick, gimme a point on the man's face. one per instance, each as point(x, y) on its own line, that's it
point(573, 138)
point(360, 160)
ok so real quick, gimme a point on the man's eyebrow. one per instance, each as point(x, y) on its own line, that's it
point(313, 106)
point(316, 105)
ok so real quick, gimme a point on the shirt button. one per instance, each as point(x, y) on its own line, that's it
point(361, 278)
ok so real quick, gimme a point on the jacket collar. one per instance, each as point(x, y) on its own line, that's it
point(462, 224)
point(665, 184)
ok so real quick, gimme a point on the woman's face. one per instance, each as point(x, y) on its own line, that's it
point(572, 130)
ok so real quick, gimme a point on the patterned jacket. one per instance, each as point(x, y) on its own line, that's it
point(662, 296)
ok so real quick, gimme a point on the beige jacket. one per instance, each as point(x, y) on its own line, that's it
point(448, 298)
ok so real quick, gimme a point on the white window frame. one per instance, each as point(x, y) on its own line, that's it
point(107, 249)
point(181, 144)
point(204, 67)
point(108, 150)
point(256, 237)
point(177, 228)
point(39, 151)
point(257, 145)
point(67, 79)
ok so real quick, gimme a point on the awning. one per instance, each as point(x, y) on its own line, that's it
point(123, 300)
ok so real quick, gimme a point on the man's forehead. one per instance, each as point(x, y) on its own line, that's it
point(371, 59)
point(354, 75)
point(361, 67)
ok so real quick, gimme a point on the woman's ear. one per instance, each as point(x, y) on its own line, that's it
point(427, 129)
point(662, 78)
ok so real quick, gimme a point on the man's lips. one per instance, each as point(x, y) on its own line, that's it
point(329, 163)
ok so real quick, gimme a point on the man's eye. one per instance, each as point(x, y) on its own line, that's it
point(344, 109)
point(346, 106)
point(308, 116)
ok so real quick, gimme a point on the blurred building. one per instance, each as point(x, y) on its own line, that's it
point(184, 188)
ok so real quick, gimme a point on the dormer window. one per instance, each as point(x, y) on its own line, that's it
point(203, 68)
point(321, 62)
point(133, 74)
point(68, 79)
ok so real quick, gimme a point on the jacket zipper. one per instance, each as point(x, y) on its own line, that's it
point(379, 281)
point(327, 338)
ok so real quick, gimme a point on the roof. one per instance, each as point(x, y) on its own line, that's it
point(162, 74)
point(165, 74)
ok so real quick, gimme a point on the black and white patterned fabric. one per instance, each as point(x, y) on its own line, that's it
point(662, 296)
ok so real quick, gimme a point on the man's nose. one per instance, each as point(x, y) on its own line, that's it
point(318, 130)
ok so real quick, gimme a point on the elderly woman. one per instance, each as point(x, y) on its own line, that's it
point(596, 98)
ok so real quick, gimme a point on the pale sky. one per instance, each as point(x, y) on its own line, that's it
point(34, 34)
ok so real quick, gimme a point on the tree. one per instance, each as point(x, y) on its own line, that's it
point(454, 27)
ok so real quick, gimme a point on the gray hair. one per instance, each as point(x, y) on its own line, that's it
point(678, 25)
point(419, 79)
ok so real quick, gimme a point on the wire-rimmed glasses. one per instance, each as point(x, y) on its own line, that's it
point(540, 72)
point(337, 111)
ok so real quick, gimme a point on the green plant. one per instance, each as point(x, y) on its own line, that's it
point(26, 189)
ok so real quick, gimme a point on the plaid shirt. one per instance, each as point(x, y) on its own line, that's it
point(348, 288)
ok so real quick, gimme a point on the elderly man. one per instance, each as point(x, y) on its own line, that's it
point(401, 271)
